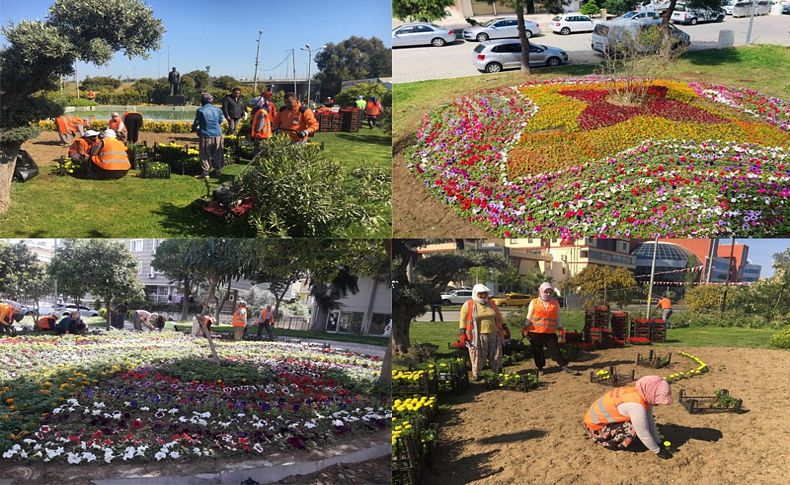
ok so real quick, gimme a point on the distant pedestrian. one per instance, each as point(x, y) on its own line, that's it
point(239, 320)
point(208, 121)
point(360, 102)
point(234, 109)
point(372, 111)
point(665, 304)
point(266, 322)
point(436, 307)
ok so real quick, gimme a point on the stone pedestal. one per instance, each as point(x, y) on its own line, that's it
point(176, 100)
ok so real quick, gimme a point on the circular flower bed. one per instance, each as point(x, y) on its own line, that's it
point(565, 158)
point(128, 398)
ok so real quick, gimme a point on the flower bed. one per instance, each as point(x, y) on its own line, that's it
point(129, 398)
point(562, 158)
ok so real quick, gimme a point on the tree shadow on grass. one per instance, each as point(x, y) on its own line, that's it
point(188, 221)
point(377, 140)
point(712, 56)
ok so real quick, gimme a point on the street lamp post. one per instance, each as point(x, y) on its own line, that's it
point(309, 65)
point(257, 52)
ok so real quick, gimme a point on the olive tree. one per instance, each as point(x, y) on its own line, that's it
point(39, 52)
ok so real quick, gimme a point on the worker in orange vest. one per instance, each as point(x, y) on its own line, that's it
point(8, 315)
point(46, 323)
point(372, 111)
point(297, 120)
point(117, 125)
point(625, 413)
point(239, 320)
point(80, 147)
point(109, 160)
point(67, 126)
point(266, 322)
point(543, 320)
point(665, 304)
point(261, 126)
point(481, 324)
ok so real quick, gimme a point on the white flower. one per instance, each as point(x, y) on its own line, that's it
point(108, 455)
point(159, 455)
point(88, 456)
point(197, 451)
point(338, 422)
point(73, 458)
point(144, 408)
point(128, 453)
point(257, 447)
point(174, 454)
point(101, 405)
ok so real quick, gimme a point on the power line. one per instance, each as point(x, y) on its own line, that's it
point(287, 56)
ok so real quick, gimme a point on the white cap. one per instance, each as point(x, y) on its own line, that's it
point(90, 133)
point(478, 288)
point(108, 133)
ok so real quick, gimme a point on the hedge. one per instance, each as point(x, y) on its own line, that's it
point(148, 126)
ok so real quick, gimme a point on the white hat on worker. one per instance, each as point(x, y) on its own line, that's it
point(477, 289)
point(108, 133)
point(90, 133)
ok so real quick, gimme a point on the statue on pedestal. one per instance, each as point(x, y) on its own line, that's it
point(175, 82)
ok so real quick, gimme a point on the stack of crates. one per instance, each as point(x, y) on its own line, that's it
point(658, 330)
point(640, 327)
point(620, 325)
point(351, 119)
point(595, 317)
point(329, 121)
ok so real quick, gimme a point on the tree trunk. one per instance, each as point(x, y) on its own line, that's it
point(222, 305)
point(8, 155)
point(400, 334)
point(277, 300)
point(185, 303)
point(522, 36)
point(109, 314)
point(668, 14)
point(385, 378)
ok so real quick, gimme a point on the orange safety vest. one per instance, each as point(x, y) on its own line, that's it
point(266, 131)
point(604, 410)
point(544, 320)
point(239, 318)
point(112, 156)
point(265, 315)
point(372, 109)
point(46, 323)
point(91, 95)
point(298, 119)
point(67, 124)
point(469, 318)
point(6, 313)
point(80, 146)
point(665, 303)
point(114, 125)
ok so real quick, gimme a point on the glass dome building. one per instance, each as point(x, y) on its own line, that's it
point(669, 257)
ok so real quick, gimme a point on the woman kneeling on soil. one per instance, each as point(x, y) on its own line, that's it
point(481, 323)
point(627, 412)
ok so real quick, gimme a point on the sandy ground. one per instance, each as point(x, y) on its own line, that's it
point(46, 148)
point(368, 472)
point(504, 437)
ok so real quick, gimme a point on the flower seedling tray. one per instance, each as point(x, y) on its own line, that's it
point(612, 377)
point(710, 404)
point(526, 381)
point(653, 360)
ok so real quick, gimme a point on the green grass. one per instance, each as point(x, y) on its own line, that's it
point(52, 206)
point(761, 67)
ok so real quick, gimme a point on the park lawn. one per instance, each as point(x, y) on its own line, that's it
point(53, 206)
point(760, 67)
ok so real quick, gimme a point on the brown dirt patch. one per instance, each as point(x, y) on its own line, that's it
point(368, 472)
point(504, 437)
point(416, 213)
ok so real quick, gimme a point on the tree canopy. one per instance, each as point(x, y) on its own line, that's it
point(603, 284)
point(420, 10)
point(23, 274)
point(353, 58)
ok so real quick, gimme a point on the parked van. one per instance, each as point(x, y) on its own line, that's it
point(743, 9)
point(684, 14)
point(606, 33)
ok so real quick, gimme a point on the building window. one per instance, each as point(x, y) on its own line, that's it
point(136, 245)
point(140, 268)
point(584, 253)
point(378, 323)
point(350, 322)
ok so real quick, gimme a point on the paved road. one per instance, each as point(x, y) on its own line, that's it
point(423, 63)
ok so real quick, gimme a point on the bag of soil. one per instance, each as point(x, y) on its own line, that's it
point(25, 168)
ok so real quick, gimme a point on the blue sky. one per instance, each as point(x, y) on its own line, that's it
point(761, 251)
point(223, 34)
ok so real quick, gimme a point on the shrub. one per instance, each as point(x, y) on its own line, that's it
point(730, 318)
point(590, 8)
point(298, 192)
point(80, 102)
point(781, 339)
point(347, 96)
point(704, 298)
point(617, 7)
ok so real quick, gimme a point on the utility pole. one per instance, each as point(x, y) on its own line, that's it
point(710, 261)
point(751, 21)
point(77, 80)
point(309, 61)
point(293, 59)
point(729, 273)
point(652, 275)
point(257, 52)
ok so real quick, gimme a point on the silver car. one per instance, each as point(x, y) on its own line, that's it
point(421, 33)
point(456, 297)
point(743, 9)
point(500, 28)
point(494, 56)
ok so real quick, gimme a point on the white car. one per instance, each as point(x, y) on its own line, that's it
point(457, 297)
point(66, 310)
point(421, 33)
point(500, 28)
point(634, 15)
point(727, 5)
point(569, 23)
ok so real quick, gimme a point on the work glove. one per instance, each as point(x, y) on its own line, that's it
point(302, 133)
point(664, 454)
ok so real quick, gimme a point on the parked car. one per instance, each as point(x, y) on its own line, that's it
point(786, 9)
point(638, 15)
point(691, 16)
point(727, 5)
point(654, 6)
point(569, 23)
point(421, 33)
point(743, 9)
point(457, 297)
point(512, 299)
point(607, 32)
point(494, 56)
point(67, 308)
point(500, 28)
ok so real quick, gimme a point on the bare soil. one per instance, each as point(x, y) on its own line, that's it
point(505, 437)
point(376, 471)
